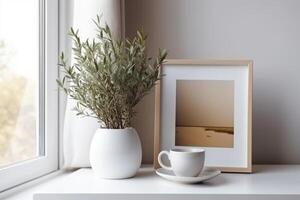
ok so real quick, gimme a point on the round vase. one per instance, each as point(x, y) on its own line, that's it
point(115, 153)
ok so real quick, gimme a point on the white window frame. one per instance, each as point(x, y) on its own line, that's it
point(22, 172)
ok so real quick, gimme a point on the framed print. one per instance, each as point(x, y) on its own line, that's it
point(206, 104)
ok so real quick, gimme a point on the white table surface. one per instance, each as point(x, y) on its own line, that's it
point(267, 182)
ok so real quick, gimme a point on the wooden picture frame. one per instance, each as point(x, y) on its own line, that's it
point(246, 67)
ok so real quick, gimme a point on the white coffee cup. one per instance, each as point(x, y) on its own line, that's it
point(184, 162)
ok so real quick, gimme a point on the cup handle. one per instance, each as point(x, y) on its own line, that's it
point(160, 160)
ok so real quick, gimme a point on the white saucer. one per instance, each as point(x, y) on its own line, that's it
point(206, 174)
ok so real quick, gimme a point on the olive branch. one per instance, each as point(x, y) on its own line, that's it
point(109, 77)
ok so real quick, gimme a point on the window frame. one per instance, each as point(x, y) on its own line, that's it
point(18, 173)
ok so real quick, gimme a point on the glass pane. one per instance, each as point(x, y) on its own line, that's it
point(19, 80)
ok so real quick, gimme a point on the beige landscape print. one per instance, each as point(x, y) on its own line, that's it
point(205, 113)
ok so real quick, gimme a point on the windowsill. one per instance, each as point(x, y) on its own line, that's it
point(26, 190)
point(267, 181)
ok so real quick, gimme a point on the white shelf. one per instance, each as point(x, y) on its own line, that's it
point(268, 182)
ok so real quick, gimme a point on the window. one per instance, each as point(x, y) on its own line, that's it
point(19, 80)
point(28, 92)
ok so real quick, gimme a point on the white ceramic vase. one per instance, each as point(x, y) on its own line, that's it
point(115, 153)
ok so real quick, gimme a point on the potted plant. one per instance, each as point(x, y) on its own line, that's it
point(108, 78)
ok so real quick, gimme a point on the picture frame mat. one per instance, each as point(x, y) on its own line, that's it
point(208, 63)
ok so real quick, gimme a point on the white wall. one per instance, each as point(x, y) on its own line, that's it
point(267, 31)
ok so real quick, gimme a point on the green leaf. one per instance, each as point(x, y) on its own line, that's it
point(108, 76)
